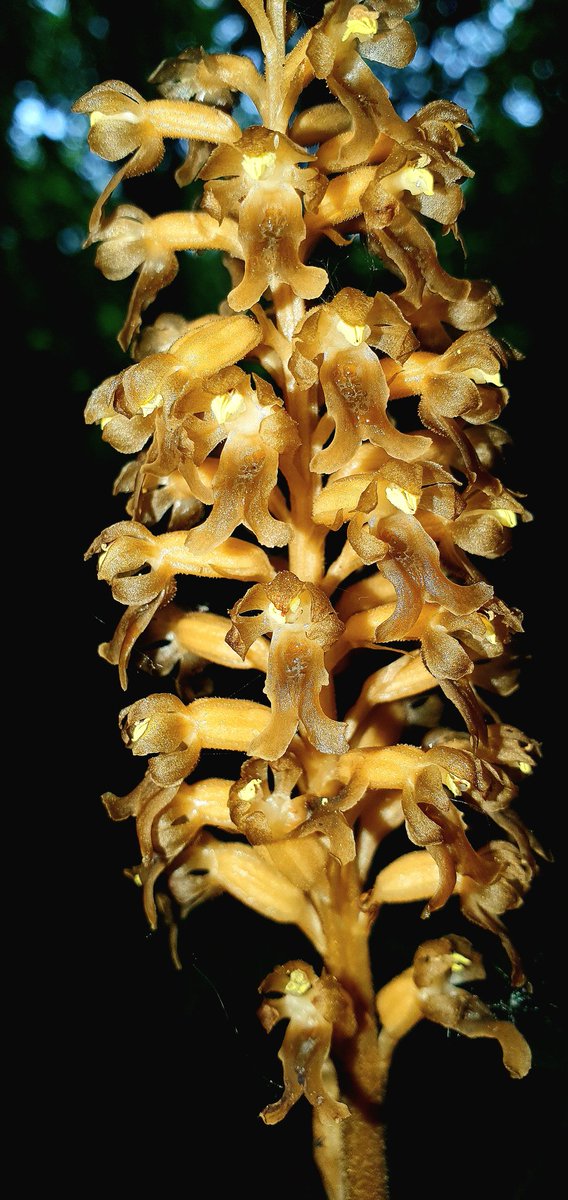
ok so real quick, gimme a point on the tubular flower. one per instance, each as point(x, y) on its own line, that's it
point(353, 439)
point(490, 882)
point(432, 988)
point(259, 180)
point(315, 1009)
point(462, 384)
point(303, 624)
point(123, 123)
point(297, 833)
point(129, 240)
point(351, 376)
point(255, 429)
point(131, 406)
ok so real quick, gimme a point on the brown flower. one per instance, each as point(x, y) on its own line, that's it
point(245, 415)
point(210, 79)
point(122, 123)
point(462, 384)
point(209, 866)
point(410, 560)
point(303, 624)
point(451, 644)
point(158, 495)
point(131, 406)
point(432, 988)
point(315, 1009)
point(126, 551)
point(129, 240)
point(298, 833)
point(334, 56)
point(176, 733)
point(352, 380)
point(259, 182)
point(475, 311)
point(177, 639)
point(362, 531)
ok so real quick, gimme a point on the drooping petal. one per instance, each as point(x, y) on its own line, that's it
point(315, 1009)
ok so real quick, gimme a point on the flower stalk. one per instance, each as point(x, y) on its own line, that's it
point(268, 447)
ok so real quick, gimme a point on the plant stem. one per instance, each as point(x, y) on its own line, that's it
point(362, 1145)
point(306, 550)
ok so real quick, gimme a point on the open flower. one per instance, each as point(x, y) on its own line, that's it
point(452, 643)
point(303, 624)
point(129, 240)
point(315, 1009)
point(194, 75)
point(432, 988)
point(296, 832)
point(168, 819)
point(345, 32)
point(160, 494)
point(259, 181)
point(130, 406)
point(211, 79)
point(504, 756)
point(296, 423)
point(410, 560)
point(356, 394)
point(162, 726)
point(420, 175)
point(122, 123)
point(246, 416)
point(177, 640)
point(379, 27)
point(494, 882)
point(462, 384)
point(417, 488)
point(485, 523)
point(139, 565)
point(474, 311)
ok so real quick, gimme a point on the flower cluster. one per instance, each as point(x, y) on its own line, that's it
point(334, 455)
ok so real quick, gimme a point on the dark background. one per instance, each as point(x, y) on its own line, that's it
point(153, 1064)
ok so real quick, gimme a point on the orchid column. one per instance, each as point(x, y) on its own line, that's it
point(257, 432)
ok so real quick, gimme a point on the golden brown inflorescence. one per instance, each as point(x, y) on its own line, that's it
point(278, 415)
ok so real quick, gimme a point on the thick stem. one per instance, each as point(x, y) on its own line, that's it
point(306, 549)
point(274, 64)
point(361, 1147)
